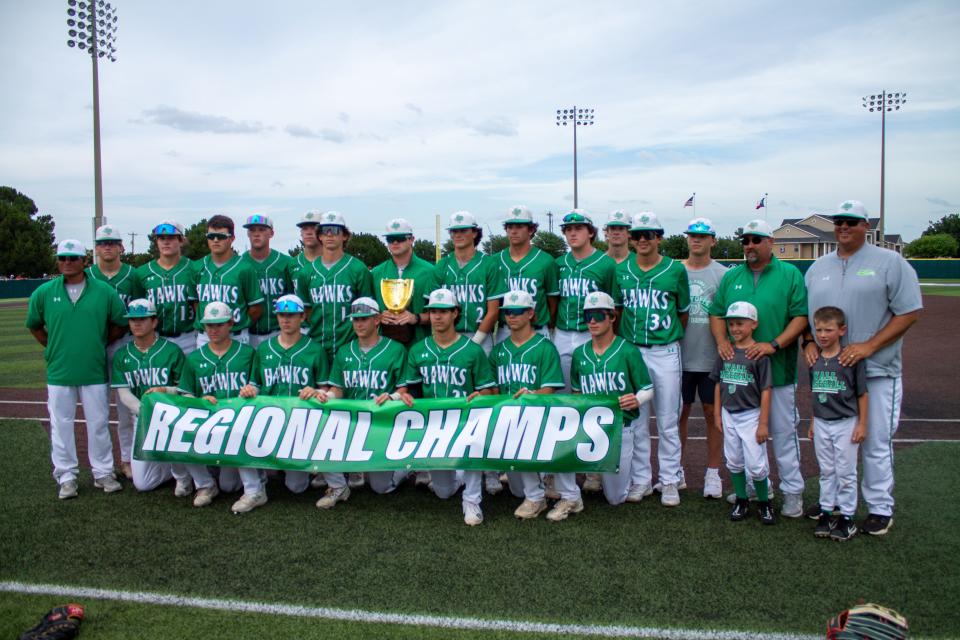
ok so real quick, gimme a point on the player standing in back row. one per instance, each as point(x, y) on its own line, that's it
point(273, 275)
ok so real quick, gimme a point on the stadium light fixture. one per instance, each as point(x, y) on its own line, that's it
point(883, 103)
point(575, 117)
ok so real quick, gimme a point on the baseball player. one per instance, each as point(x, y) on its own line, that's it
point(218, 370)
point(526, 362)
point(608, 364)
point(698, 350)
point(411, 325)
point(75, 317)
point(169, 282)
point(369, 368)
point(148, 364)
point(448, 365)
point(840, 411)
point(527, 268)
point(616, 233)
point(309, 242)
point(108, 245)
point(742, 406)
point(273, 274)
point(223, 276)
point(288, 364)
point(653, 295)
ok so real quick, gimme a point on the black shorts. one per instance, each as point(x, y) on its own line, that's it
point(694, 383)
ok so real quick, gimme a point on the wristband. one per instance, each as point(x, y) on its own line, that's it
point(394, 396)
point(479, 337)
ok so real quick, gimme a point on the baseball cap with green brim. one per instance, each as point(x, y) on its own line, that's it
point(310, 217)
point(519, 214)
point(518, 300)
point(741, 309)
point(700, 227)
point(646, 221)
point(851, 209)
point(598, 300)
point(442, 299)
point(108, 233)
point(462, 220)
point(288, 304)
point(71, 247)
point(216, 313)
point(618, 218)
point(758, 228)
point(576, 216)
point(398, 227)
point(140, 308)
point(364, 308)
point(258, 220)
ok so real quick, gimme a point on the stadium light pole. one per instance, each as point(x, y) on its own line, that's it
point(578, 117)
point(883, 102)
point(92, 27)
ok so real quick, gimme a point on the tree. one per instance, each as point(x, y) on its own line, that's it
point(368, 248)
point(297, 250)
point(550, 242)
point(937, 245)
point(947, 224)
point(26, 239)
point(446, 248)
point(136, 259)
point(425, 249)
point(727, 249)
point(675, 247)
point(495, 244)
point(601, 245)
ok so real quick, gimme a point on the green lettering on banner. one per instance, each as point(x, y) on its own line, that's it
point(559, 433)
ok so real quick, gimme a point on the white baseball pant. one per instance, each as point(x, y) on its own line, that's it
point(385, 481)
point(201, 476)
point(783, 434)
point(250, 480)
point(296, 481)
point(740, 446)
point(526, 484)
point(126, 420)
point(617, 485)
point(566, 486)
point(566, 343)
point(837, 457)
point(242, 336)
point(446, 483)
point(257, 340)
point(62, 408)
point(335, 480)
point(885, 397)
point(147, 476)
point(503, 332)
point(663, 363)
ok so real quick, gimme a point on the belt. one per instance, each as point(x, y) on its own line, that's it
point(171, 335)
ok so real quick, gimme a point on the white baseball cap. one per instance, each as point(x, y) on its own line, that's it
point(399, 226)
point(442, 299)
point(646, 221)
point(852, 209)
point(701, 227)
point(108, 232)
point(576, 216)
point(216, 313)
point(618, 218)
point(168, 228)
point(519, 214)
point(258, 220)
point(364, 308)
point(462, 220)
point(71, 247)
point(288, 304)
point(758, 228)
point(741, 310)
point(310, 217)
point(518, 299)
point(598, 300)
point(141, 308)
point(333, 218)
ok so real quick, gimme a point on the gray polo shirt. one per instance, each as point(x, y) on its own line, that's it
point(836, 388)
point(742, 380)
point(871, 286)
point(698, 349)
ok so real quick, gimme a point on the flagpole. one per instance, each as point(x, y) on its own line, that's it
point(694, 204)
point(766, 205)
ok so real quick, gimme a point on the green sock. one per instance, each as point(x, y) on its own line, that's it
point(761, 487)
point(739, 481)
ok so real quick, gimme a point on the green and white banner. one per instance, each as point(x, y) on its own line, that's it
point(531, 433)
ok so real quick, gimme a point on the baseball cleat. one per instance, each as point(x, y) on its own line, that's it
point(184, 488)
point(472, 515)
point(551, 492)
point(333, 496)
point(591, 484)
point(792, 505)
point(740, 510)
point(712, 486)
point(355, 480)
point(530, 509)
point(205, 495)
point(563, 509)
point(248, 503)
point(422, 479)
point(318, 481)
point(491, 482)
point(636, 494)
point(766, 513)
point(877, 525)
point(109, 484)
point(844, 529)
point(68, 490)
point(669, 495)
point(825, 525)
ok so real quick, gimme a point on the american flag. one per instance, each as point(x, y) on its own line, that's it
point(689, 202)
point(762, 203)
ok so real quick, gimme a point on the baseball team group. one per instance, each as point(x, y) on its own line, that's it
point(659, 333)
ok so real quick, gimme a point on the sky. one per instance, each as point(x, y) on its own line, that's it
point(418, 109)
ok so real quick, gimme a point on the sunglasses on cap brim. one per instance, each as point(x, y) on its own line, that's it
point(284, 306)
point(165, 230)
point(516, 311)
point(575, 218)
point(364, 310)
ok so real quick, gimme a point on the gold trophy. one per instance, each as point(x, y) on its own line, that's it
point(396, 294)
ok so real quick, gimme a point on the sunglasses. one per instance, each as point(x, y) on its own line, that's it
point(213, 235)
point(108, 243)
point(287, 306)
point(846, 222)
point(514, 312)
point(165, 230)
point(748, 240)
point(644, 235)
point(68, 258)
point(329, 230)
point(362, 308)
point(574, 218)
point(398, 238)
point(595, 315)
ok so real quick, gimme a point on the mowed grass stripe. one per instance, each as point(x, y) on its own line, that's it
point(636, 565)
point(21, 356)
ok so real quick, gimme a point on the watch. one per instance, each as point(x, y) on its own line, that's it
point(775, 345)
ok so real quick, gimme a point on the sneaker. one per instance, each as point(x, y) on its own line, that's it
point(792, 505)
point(318, 481)
point(126, 470)
point(205, 495)
point(813, 512)
point(248, 503)
point(422, 479)
point(669, 495)
point(637, 493)
point(491, 482)
point(333, 496)
point(825, 525)
point(844, 530)
point(592, 484)
point(68, 490)
point(712, 486)
point(355, 480)
point(877, 525)
point(530, 509)
point(108, 483)
point(563, 509)
point(184, 488)
point(740, 510)
point(767, 515)
point(683, 482)
point(472, 515)
point(550, 492)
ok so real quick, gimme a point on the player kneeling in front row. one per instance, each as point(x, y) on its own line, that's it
point(369, 368)
point(840, 405)
point(526, 362)
point(288, 364)
point(216, 371)
point(742, 407)
point(148, 364)
point(608, 364)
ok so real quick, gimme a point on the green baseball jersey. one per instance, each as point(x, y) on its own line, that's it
point(618, 370)
point(474, 284)
point(533, 365)
point(124, 281)
point(366, 374)
point(234, 283)
point(76, 331)
point(329, 293)
point(652, 301)
point(158, 366)
point(578, 279)
point(273, 275)
point(453, 372)
point(172, 291)
point(779, 294)
point(536, 273)
point(279, 371)
point(299, 263)
point(207, 374)
point(421, 272)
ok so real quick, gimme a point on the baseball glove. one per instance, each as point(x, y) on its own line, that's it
point(867, 622)
point(60, 623)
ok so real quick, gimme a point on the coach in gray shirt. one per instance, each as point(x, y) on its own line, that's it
point(880, 295)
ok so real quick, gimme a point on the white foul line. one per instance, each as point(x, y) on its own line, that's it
point(379, 617)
